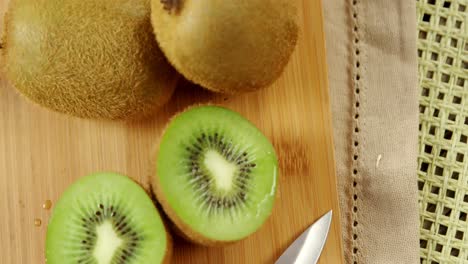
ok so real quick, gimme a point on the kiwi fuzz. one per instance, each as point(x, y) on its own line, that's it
point(226, 47)
point(101, 62)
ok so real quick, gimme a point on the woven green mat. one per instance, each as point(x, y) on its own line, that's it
point(443, 130)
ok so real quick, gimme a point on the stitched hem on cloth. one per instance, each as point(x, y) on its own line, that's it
point(356, 129)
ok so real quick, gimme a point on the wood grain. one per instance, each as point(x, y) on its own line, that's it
point(42, 152)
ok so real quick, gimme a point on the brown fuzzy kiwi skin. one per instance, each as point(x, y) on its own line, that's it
point(227, 46)
point(169, 247)
point(90, 58)
point(179, 226)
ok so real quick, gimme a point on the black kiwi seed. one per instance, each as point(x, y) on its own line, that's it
point(119, 223)
point(92, 211)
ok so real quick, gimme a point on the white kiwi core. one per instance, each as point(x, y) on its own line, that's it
point(107, 243)
point(222, 170)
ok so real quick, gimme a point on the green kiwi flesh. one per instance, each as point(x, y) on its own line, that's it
point(227, 46)
point(216, 175)
point(89, 58)
point(106, 218)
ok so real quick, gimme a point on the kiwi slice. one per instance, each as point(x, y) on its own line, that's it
point(227, 46)
point(216, 175)
point(87, 58)
point(106, 218)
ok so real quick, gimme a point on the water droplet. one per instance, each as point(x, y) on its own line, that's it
point(47, 204)
point(37, 222)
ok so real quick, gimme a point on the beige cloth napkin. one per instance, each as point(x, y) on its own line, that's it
point(371, 49)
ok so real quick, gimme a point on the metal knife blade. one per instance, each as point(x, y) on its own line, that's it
point(308, 247)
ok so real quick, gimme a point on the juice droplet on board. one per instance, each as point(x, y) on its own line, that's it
point(47, 204)
point(37, 222)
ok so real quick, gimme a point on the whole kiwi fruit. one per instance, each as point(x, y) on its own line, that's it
point(87, 58)
point(227, 46)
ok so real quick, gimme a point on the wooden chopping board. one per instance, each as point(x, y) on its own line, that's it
point(42, 152)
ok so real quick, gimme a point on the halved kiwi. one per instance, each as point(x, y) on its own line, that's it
point(106, 218)
point(227, 46)
point(87, 58)
point(216, 175)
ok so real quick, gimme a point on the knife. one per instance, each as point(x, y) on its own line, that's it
point(308, 247)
